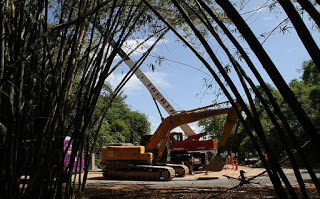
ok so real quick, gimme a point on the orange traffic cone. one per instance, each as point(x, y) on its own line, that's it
point(236, 163)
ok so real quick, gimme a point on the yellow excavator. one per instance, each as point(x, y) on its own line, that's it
point(140, 162)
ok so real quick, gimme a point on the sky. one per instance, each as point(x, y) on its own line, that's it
point(181, 77)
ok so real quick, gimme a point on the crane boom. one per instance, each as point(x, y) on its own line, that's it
point(156, 94)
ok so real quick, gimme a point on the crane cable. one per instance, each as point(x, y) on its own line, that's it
point(158, 108)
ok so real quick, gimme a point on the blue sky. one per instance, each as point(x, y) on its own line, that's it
point(180, 77)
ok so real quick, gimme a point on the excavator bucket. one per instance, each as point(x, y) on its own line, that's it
point(216, 164)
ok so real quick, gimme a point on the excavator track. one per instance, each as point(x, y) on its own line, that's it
point(141, 172)
point(180, 169)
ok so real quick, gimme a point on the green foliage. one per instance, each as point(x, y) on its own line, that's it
point(214, 126)
point(311, 82)
point(121, 124)
point(306, 90)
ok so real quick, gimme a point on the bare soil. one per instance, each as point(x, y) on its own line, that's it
point(245, 191)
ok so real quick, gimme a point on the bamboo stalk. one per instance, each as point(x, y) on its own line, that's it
point(301, 28)
point(271, 70)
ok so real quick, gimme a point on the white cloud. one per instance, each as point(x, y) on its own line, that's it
point(129, 45)
point(134, 85)
point(159, 79)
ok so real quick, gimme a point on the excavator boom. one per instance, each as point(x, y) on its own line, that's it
point(161, 135)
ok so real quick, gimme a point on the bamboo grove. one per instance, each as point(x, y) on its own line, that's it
point(57, 55)
point(55, 59)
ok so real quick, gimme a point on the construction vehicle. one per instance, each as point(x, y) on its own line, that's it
point(140, 162)
point(192, 151)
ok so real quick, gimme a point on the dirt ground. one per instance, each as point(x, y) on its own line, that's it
point(97, 187)
point(245, 191)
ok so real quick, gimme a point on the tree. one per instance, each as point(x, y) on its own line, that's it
point(121, 124)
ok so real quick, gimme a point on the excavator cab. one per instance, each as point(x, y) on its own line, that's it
point(176, 137)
